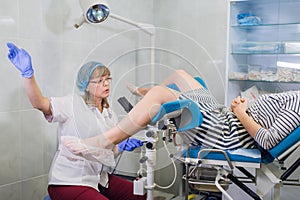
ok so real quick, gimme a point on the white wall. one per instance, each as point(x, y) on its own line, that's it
point(196, 34)
point(189, 34)
point(45, 30)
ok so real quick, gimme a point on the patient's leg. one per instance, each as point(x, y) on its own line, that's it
point(180, 78)
point(139, 116)
point(138, 91)
point(183, 80)
point(142, 113)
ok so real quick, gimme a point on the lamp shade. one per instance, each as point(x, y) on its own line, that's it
point(94, 11)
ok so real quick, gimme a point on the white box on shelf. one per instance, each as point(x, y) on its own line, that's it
point(292, 47)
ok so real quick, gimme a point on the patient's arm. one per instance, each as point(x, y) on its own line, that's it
point(239, 106)
point(286, 121)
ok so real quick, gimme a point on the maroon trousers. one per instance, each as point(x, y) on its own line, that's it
point(119, 189)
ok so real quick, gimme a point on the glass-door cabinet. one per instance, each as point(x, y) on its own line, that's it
point(263, 47)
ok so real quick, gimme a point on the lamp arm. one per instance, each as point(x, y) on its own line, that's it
point(148, 29)
point(145, 27)
point(80, 22)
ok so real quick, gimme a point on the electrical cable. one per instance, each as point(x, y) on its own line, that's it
point(118, 161)
point(175, 169)
point(120, 156)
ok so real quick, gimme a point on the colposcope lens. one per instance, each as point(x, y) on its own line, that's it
point(97, 13)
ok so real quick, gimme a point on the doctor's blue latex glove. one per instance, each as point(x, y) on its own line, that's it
point(129, 144)
point(21, 60)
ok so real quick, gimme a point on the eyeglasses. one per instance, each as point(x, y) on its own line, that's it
point(107, 80)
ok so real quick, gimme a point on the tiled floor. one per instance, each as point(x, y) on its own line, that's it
point(158, 195)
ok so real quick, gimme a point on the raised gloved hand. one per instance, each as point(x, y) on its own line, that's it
point(129, 144)
point(21, 59)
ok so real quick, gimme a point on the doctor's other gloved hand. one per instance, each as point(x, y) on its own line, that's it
point(21, 60)
point(129, 144)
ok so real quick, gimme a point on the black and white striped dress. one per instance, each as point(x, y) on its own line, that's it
point(278, 114)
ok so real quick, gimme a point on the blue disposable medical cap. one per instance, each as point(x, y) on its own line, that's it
point(84, 74)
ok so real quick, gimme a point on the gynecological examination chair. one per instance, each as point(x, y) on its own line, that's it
point(213, 170)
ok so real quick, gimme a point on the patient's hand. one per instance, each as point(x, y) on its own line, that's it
point(239, 105)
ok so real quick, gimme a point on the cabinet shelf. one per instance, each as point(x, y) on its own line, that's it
point(263, 46)
point(273, 48)
point(264, 25)
point(262, 81)
point(239, 53)
point(260, 1)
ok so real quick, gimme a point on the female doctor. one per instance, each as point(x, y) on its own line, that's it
point(72, 176)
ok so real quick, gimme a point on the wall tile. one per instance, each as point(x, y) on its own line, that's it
point(10, 137)
point(30, 19)
point(9, 18)
point(11, 192)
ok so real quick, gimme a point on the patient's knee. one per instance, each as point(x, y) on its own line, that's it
point(161, 94)
point(181, 72)
point(157, 91)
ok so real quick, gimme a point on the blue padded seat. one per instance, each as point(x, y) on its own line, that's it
point(239, 155)
point(252, 155)
point(284, 145)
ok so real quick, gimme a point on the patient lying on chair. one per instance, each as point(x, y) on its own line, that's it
point(267, 122)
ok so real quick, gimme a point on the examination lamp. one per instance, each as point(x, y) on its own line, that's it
point(94, 11)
